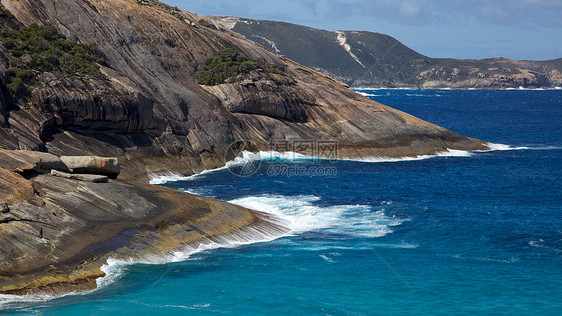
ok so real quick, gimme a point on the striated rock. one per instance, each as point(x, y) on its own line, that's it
point(26, 161)
point(272, 95)
point(92, 164)
point(15, 189)
point(81, 177)
point(151, 113)
point(60, 245)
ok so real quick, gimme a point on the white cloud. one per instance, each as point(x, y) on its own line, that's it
point(409, 8)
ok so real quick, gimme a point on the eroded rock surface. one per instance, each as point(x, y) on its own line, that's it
point(55, 232)
point(91, 164)
point(150, 110)
point(150, 113)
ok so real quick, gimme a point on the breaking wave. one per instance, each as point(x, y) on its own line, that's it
point(305, 213)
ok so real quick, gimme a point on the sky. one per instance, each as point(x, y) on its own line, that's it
point(515, 29)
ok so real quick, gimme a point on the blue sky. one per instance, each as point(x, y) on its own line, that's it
point(516, 29)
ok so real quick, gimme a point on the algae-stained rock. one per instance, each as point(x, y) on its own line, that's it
point(60, 245)
point(81, 177)
point(92, 164)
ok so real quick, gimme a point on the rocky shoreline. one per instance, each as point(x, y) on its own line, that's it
point(57, 228)
point(56, 233)
point(143, 106)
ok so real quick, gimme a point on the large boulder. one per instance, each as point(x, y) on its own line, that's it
point(108, 166)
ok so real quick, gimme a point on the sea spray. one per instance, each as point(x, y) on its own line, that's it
point(304, 214)
point(265, 156)
point(245, 158)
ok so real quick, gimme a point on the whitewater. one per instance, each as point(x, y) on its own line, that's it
point(453, 233)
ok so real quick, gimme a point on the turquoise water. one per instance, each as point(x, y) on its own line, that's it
point(467, 233)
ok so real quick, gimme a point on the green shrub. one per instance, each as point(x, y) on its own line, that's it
point(229, 66)
point(207, 24)
point(35, 49)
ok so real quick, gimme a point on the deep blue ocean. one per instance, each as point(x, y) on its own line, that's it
point(465, 233)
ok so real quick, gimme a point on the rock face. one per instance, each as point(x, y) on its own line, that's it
point(25, 161)
point(275, 96)
point(91, 164)
point(373, 59)
point(151, 113)
point(82, 177)
point(55, 232)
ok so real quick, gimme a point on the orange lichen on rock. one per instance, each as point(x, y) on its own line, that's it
point(15, 188)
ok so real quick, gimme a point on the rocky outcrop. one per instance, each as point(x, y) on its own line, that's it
point(276, 96)
point(150, 113)
point(27, 162)
point(496, 73)
point(55, 233)
point(90, 164)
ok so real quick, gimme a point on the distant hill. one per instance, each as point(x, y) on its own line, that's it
point(374, 59)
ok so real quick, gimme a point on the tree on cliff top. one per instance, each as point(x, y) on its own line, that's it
point(35, 49)
point(228, 66)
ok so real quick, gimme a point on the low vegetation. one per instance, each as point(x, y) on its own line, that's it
point(207, 24)
point(228, 66)
point(35, 49)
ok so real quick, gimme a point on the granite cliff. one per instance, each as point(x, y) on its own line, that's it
point(148, 110)
point(361, 59)
point(150, 107)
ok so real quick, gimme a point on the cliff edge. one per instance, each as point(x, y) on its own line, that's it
point(123, 85)
point(149, 111)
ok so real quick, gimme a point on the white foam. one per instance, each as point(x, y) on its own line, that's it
point(115, 268)
point(248, 157)
point(499, 147)
point(365, 94)
point(383, 88)
point(446, 153)
point(303, 214)
point(520, 88)
point(293, 156)
point(511, 147)
point(166, 177)
point(366, 89)
point(244, 159)
point(8, 301)
point(327, 259)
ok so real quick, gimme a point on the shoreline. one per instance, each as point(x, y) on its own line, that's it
point(162, 178)
point(127, 219)
point(170, 234)
point(447, 88)
point(120, 220)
